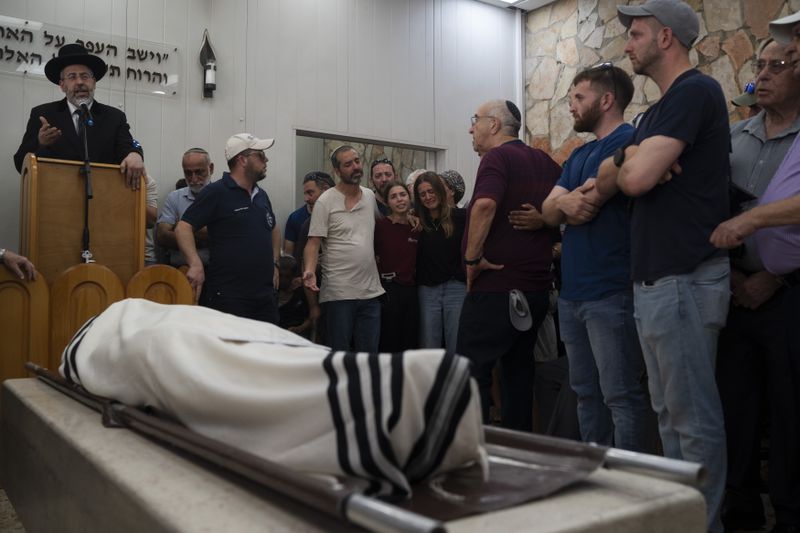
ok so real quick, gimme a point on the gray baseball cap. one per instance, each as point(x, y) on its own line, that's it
point(781, 29)
point(674, 14)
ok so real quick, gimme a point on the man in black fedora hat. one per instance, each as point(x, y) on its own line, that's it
point(53, 128)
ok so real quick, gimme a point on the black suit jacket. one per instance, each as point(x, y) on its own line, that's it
point(109, 138)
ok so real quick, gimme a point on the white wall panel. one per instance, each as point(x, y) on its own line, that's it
point(388, 63)
point(97, 16)
point(174, 139)
point(409, 71)
point(326, 37)
point(20, 8)
point(475, 63)
point(68, 14)
point(362, 34)
point(196, 111)
point(119, 17)
point(304, 48)
point(416, 122)
point(15, 113)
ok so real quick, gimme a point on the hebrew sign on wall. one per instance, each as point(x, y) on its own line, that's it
point(133, 64)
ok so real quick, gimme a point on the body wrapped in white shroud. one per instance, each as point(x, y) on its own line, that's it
point(391, 419)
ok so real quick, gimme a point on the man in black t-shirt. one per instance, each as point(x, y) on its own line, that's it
point(677, 170)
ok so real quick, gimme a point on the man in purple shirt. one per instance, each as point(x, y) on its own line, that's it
point(776, 220)
point(775, 226)
point(500, 259)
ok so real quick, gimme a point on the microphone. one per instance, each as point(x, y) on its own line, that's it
point(87, 114)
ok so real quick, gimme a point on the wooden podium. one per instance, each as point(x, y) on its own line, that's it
point(52, 212)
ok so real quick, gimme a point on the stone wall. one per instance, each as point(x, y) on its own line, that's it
point(405, 160)
point(570, 35)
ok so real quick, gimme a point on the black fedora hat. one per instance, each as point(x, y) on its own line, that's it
point(74, 54)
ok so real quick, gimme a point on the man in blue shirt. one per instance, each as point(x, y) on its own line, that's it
point(595, 309)
point(314, 184)
point(677, 170)
point(197, 171)
point(243, 236)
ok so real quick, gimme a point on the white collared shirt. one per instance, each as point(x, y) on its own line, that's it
point(75, 116)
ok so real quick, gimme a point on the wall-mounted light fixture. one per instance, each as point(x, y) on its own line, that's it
point(209, 62)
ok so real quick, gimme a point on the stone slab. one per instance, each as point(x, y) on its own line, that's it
point(64, 471)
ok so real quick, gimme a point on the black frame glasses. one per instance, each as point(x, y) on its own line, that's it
point(475, 118)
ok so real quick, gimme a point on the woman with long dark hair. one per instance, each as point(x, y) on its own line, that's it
point(440, 274)
point(396, 256)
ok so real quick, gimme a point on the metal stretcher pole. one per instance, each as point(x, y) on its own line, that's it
point(685, 472)
point(339, 502)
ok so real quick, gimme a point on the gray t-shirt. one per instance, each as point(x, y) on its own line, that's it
point(348, 264)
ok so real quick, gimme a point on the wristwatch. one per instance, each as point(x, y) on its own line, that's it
point(619, 156)
point(2, 254)
point(473, 262)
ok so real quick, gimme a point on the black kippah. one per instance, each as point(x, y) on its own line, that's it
point(514, 110)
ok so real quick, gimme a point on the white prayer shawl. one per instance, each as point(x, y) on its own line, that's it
point(391, 419)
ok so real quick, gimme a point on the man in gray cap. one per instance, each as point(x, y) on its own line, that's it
point(676, 168)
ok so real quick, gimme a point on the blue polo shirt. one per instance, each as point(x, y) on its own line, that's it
point(595, 259)
point(295, 222)
point(239, 238)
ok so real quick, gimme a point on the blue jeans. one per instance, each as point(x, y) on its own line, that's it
point(353, 325)
point(605, 367)
point(439, 312)
point(679, 318)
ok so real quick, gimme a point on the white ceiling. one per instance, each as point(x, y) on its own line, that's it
point(523, 5)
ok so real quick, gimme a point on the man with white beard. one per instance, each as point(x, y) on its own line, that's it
point(197, 171)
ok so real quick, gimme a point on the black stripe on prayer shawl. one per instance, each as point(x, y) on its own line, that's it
point(358, 412)
point(449, 432)
point(336, 415)
point(444, 407)
point(377, 400)
point(397, 390)
point(71, 351)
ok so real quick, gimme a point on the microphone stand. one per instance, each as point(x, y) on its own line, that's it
point(86, 172)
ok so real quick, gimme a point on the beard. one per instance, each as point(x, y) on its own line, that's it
point(253, 173)
point(646, 59)
point(354, 178)
point(86, 96)
point(587, 121)
point(197, 188)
